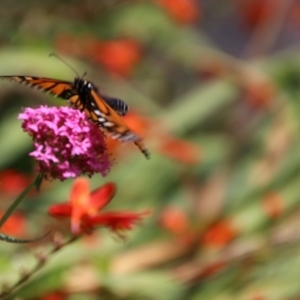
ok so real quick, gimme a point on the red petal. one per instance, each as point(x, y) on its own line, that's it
point(80, 202)
point(117, 220)
point(80, 192)
point(60, 210)
point(15, 225)
point(102, 196)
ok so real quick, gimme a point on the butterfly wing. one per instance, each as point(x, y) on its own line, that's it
point(104, 115)
point(119, 106)
point(57, 88)
point(64, 89)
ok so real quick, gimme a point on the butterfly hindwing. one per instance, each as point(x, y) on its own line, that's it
point(111, 122)
point(104, 115)
point(119, 106)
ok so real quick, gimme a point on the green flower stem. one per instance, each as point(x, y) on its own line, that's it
point(36, 183)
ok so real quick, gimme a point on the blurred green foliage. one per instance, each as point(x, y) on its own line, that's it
point(224, 226)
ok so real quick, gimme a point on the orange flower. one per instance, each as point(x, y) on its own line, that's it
point(138, 123)
point(180, 150)
point(182, 11)
point(119, 57)
point(255, 12)
point(13, 182)
point(219, 234)
point(58, 295)
point(84, 209)
point(174, 220)
point(174, 148)
point(15, 225)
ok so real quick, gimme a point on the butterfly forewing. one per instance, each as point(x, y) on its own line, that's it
point(109, 120)
point(57, 88)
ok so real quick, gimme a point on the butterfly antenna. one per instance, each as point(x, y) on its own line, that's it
point(84, 74)
point(63, 61)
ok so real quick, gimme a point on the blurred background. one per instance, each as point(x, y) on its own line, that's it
point(213, 88)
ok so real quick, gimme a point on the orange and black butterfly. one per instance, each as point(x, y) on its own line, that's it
point(81, 94)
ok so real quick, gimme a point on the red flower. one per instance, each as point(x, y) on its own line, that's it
point(175, 220)
point(58, 295)
point(220, 234)
point(15, 225)
point(13, 182)
point(256, 12)
point(119, 57)
point(166, 144)
point(182, 11)
point(84, 209)
point(142, 125)
point(180, 150)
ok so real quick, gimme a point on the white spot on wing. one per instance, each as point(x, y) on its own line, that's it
point(99, 113)
point(108, 124)
point(115, 136)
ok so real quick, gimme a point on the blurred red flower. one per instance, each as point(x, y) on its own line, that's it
point(139, 123)
point(58, 295)
point(255, 12)
point(180, 150)
point(84, 209)
point(119, 57)
point(175, 220)
point(15, 225)
point(177, 149)
point(182, 11)
point(219, 234)
point(13, 182)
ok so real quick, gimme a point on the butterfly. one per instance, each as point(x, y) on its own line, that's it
point(82, 94)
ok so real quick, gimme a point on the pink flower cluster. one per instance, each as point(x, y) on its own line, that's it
point(66, 143)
